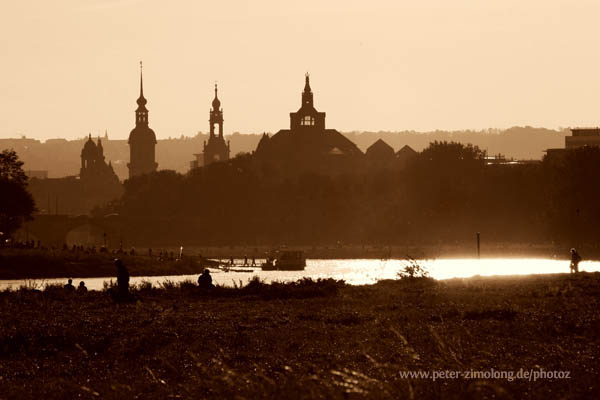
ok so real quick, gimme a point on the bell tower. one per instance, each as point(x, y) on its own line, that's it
point(142, 140)
point(216, 149)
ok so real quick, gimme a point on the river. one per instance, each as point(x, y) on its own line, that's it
point(355, 271)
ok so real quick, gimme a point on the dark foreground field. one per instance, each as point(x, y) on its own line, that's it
point(305, 340)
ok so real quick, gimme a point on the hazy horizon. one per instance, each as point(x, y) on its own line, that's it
point(72, 68)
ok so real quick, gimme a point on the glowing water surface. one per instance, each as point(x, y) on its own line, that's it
point(355, 271)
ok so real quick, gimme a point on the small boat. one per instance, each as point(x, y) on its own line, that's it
point(286, 261)
point(227, 269)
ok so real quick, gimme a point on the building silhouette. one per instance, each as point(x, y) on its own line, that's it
point(582, 137)
point(96, 185)
point(93, 165)
point(142, 140)
point(216, 149)
point(308, 146)
point(405, 156)
point(380, 155)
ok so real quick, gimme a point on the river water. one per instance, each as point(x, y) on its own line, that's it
point(355, 271)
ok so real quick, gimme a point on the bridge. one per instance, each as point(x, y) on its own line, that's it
point(52, 230)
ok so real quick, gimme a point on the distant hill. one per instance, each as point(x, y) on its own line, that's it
point(61, 157)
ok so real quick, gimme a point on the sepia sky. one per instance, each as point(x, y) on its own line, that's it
point(70, 67)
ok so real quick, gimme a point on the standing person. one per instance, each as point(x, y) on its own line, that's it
point(575, 259)
point(122, 278)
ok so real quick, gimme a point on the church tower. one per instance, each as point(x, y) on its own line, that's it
point(216, 149)
point(142, 140)
point(307, 118)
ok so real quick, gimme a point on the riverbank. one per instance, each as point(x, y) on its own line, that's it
point(306, 340)
point(52, 263)
point(40, 264)
point(457, 249)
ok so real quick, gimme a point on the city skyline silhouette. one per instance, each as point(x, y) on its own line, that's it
point(386, 66)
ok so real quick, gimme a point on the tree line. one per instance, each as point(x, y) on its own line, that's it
point(444, 196)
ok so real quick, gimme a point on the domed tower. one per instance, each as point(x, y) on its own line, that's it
point(142, 140)
point(93, 165)
point(89, 156)
point(216, 149)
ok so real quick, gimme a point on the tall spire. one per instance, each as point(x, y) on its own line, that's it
point(307, 83)
point(307, 95)
point(141, 101)
point(141, 79)
point(141, 114)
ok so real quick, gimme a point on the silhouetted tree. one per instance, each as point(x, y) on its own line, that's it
point(16, 203)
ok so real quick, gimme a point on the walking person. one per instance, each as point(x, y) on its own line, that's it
point(122, 279)
point(575, 260)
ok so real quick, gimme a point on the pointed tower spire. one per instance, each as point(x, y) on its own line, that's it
point(142, 140)
point(307, 95)
point(307, 83)
point(141, 79)
point(216, 103)
point(141, 114)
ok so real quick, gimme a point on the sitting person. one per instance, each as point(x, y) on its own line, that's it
point(69, 286)
point(81, 288)
point(205, 280)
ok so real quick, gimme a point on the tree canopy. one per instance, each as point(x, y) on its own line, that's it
point(16, 203)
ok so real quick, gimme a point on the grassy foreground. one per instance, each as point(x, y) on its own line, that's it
point(305, 340)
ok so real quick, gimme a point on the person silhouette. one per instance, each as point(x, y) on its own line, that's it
point(575, 259)
point(205, 280)
point(122, 278)
point(69, 286)
point(81, 288)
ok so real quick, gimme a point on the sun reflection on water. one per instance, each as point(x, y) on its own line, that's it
point(360, 271)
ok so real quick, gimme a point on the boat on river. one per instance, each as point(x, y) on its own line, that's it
point(287, 260)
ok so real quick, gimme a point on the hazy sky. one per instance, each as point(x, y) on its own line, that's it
point(70, 67)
